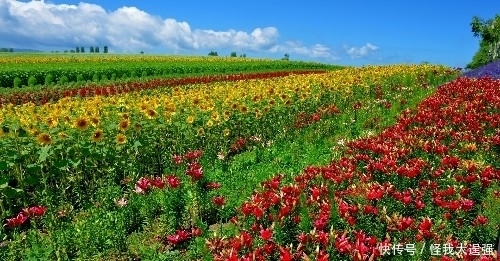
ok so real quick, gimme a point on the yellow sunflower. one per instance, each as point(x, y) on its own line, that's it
point(201, 132)
point(62, 135)
point(121, 139)
point(81, 123)
point(94, 121)
point(190, 119)
point(97, 136)
point(44, 139)
point(124, 125)
point(151, 114)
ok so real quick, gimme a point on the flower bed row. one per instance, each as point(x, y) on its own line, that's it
point(53, 95)
point(417, 190)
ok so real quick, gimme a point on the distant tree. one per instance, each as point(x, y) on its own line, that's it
point(91, 49)
point(82, 49)
point(65, 51)
point(72, 51)
point(142, 52)
point(212, 53)
point(489, 46)
point(4, 50)
point(286, 57)
point(96, 49)
point(77, 49)
point(243, 55)
point(105, 49)
point(11, 50)
point(233, 54)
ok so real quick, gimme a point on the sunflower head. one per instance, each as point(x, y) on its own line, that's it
point(151, 114)
point(121, 139)
point(137, 127)
point(97, 135)
point(44, 139)
point(190, 119)
point(124, 125)
point(201, 132)
point(51, 122)
point(81, 123)
point(94, 121)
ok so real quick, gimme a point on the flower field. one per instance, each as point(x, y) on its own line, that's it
point(371, 163)
point(36, 70)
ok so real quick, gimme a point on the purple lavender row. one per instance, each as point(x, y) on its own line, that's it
point(491, 70)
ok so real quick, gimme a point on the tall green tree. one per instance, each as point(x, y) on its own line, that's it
point(77, 49)
point(489, 47)
point(105, 49)
point(96, 49)
point(82, 49)
point(91, 49)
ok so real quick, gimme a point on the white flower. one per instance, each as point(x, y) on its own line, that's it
point(121, 202)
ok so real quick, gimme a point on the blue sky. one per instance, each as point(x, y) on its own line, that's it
point(337, 32)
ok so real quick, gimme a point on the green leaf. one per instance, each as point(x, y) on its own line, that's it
point(62, 164)
point(11, 192)
point(32, 180)
point(33, 169)
point(44, 153)
point(4, 165)
point(111, 126)
point(137, 144)
point(75, 163)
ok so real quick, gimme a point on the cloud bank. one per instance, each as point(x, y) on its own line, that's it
point(362, 52)
point(128, 29)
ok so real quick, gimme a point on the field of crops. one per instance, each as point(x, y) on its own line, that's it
point(292, 161)
point(37, 70)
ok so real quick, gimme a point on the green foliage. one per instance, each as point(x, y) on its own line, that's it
point(480, 58)
point(233, 54)
point(95, 77)
point(489, 47)
point(17, 82)
point(212, 53)
point(32, 81)
point(80, 78)
point(105, 49)
point(63, 80)
point(49, 79)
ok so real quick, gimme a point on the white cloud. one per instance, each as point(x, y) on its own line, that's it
point(361, 52)
point(37, 24)
point(315, 51)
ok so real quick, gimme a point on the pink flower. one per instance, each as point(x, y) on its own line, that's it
point(17, 221)
point(142, 185)
point(36, 211)
point(173, 181)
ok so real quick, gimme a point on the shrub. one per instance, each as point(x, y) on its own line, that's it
point(63, 79)
point(17, 82)
point(95, 77)
point(80, 78)
point(32, 81)
point(49, 79)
